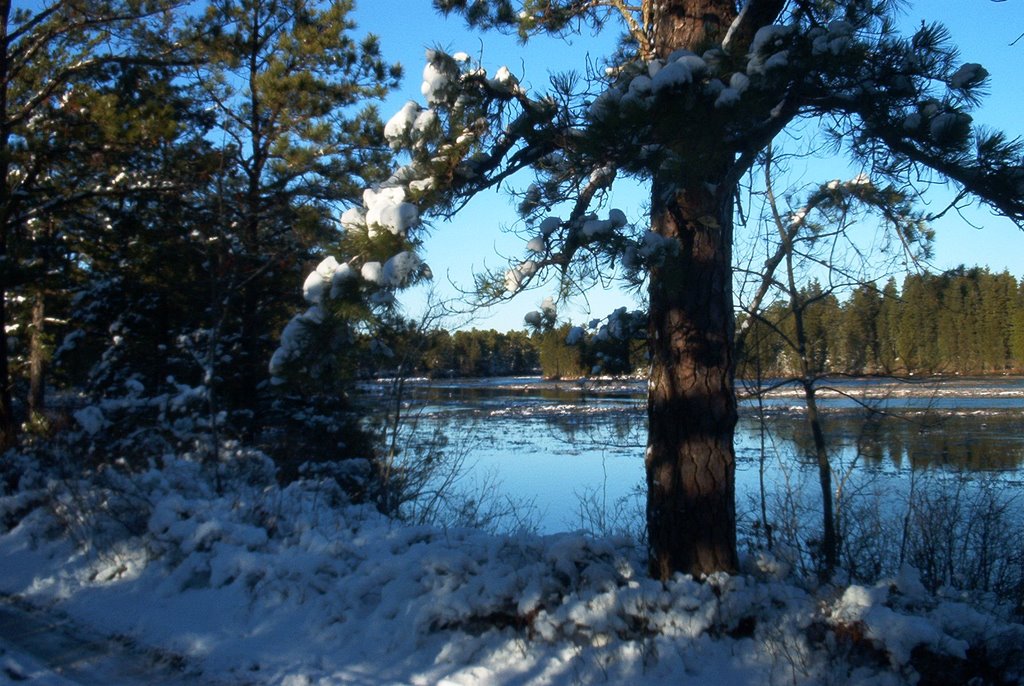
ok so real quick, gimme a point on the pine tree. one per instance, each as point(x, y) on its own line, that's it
point(558, 360)
point(688, 104)
point(120, 200)
point(998, 291)
point(860, 339)
point(289, 87)
point(1017, 328)
point(917, 338)
point(46, 49)
point(952, 342)
point(887, 325)
point(764, 352)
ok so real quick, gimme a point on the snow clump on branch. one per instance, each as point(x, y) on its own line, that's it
point(504, 81)
point(768, 50)
point(967, 76)
point(550, 225)
point(593, 228)
point(329, 273)
point(401, 123)
point(387, 209)
point(318, 280)
point(434, 79)
point(620, 325)
point(539, 243)
point(650, 250)
point(517, 277)
point(409, 125)
point(536, 244)
point(400, 269)
point(832, 40)
point(293, 340)
point(546, 316)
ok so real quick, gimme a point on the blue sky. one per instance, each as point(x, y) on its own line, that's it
point(475, 239)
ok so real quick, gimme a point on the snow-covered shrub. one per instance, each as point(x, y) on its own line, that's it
point(99, 508)
point(959, 532)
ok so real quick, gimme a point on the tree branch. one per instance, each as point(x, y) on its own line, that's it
point(754, 15)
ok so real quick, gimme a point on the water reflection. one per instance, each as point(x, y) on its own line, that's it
point(993, 441)
point(961, 423)
point(553, 441)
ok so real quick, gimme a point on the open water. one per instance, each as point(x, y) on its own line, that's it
point(573, 451)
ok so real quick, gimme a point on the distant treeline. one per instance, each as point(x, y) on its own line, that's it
point(440, 353)
point(965, 321)
point(477, 353)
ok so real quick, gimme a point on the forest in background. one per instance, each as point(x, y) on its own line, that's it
point(963, 321)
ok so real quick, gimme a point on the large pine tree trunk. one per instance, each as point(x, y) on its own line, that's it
point(690, 461)
point(691, 510)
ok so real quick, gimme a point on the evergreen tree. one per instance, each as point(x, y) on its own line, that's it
point(558, 359)
point(917, 335)
point(1016, 326)
point(820, 315)
point(950, 318)
point(288, 86)
point(439, 358)
point(694, 96)
point(468, 354)
point(887, 325)
point(999, 292)
point(130, 299)
point(47, 51)
point(765, 353)
point(966, 287)
point(859, 330)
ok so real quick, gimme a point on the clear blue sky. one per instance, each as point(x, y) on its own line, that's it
point(983, 29)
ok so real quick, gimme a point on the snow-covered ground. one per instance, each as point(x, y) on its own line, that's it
point(19, 667)
point(262, 585)
point(45, 648)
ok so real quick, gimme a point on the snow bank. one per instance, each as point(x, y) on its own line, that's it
point(262, 585)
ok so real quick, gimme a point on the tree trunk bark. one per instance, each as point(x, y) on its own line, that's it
point(8, 427)
point(691, 510)
point(691, 407)
point(691, 24)
point(37, 359)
